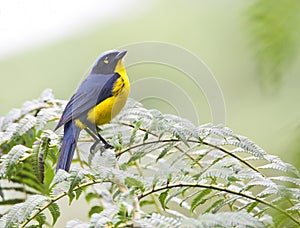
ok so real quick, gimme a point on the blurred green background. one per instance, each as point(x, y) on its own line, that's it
point(251, 48)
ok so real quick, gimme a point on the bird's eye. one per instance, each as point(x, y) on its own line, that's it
point(106, 60)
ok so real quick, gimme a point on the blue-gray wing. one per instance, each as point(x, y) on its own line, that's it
point(93, 90)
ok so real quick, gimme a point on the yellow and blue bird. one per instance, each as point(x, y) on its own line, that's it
point(98, 99)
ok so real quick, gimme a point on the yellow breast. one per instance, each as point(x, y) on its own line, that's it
point(105, 111)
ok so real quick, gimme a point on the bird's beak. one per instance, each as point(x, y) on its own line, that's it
point(121, 54)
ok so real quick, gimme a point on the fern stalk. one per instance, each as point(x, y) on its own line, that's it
point(218, 188)
point(191, 141)
point(53, 200)
point(177, 147)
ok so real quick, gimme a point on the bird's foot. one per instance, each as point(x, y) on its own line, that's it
point(108, 146)
point(93, 147)
point(97, 146)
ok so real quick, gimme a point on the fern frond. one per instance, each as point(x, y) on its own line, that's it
point(8, 134)
point(287, 179)
point(76, 177)
point(104, 218)
point(224, 219)
point(10, 161)
point(47, 96)
point(102, 165)
point(160, 163)
point(11, 117)
point(40, 148)
point(59, 183)
point(20, 212)
point(200, 198)
point(216, 130)
point(278, 164)
point(44, 116)
point(265, 182)
point(77, 224)
point(54, 211)
point(30, 106)
point(248, 146)
point(157, 220)
point(31, 204)
point(295, 208)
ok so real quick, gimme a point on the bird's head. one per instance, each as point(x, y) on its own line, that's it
point(109, 62)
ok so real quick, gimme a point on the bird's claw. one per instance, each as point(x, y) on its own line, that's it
point(92, 149)
point(101, 148)
point(108, 146)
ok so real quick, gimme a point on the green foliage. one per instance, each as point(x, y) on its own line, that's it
point(274, 29)
point(162, 198)
point(55, 212)
point(163, 172)
point(95, 209)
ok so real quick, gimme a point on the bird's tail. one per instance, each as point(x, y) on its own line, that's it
point(71, 134)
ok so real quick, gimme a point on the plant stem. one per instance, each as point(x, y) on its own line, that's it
point(191, 141)
point(218, 188)
point(53, 200)
point(177, 147)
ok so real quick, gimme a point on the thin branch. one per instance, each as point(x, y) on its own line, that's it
point(192, 141)
point(153, 134)
point(53, 200)
point(231, 154)
point(118, 154)
point(218, 188)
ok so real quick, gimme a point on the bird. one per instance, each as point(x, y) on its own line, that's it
point(98, 99)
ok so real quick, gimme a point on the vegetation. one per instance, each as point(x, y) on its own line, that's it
point(163, 172)
point(274, 31)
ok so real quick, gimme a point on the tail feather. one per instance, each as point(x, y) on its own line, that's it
point(71, 134)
